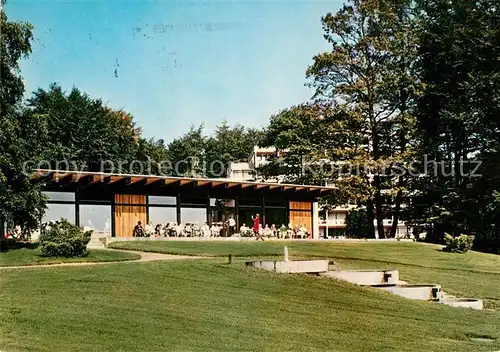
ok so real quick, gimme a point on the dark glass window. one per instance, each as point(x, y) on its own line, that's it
point(96, 217)
point(60, 196)
point(55, 212)
point(162, 200)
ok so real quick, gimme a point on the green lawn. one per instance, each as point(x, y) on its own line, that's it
point(207, 305)
point(31, 256)
point(473, 274)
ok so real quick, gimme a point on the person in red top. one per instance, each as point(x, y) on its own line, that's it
point(256, 227)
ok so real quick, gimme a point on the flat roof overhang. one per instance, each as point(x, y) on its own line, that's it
point(155, 185)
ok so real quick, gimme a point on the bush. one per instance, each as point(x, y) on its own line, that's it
point(356, 224)
point(63, 239)
point(460, 244)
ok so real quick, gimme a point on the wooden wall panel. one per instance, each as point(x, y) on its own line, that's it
point(300, 205)
point(299, 218)
point(126, 217)
point(130, 199)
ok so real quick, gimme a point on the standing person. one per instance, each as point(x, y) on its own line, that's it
point(256, 227)
point(232, 225)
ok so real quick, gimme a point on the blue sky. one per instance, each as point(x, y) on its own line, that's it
point(177, 63)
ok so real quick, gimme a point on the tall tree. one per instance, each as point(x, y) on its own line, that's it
point(20, 199)
point(187, 153)
point(229, 144)
point(83, 132)
point(367, 80)
point(458, 118)
point(15, 43)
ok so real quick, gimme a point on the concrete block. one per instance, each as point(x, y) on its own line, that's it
point(419, 292)
point(365, 277)
point(298, 266)
point(464, 303)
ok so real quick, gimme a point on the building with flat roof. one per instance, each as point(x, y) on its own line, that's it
point(112, 204)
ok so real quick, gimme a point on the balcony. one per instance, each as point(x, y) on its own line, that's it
point(332, 222)
point(388, 222)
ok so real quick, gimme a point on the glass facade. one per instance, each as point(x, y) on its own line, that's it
point(95, 212)
point(245, 216)
point(161, 200)
point(276, 217)
point(55, 212)
point(162, 215)
point(96, 217)
point(194, 215)
point(60, 196)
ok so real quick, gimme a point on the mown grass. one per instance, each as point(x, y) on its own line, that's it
point(473, 274)
point(31, 255)
point(208, 305)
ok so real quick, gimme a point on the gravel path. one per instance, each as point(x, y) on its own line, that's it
point(145, 257)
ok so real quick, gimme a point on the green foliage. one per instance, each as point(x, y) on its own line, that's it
point(15, 44)
point(20, 132)
point(362, 119)
point(229, 144)
point(357, 224)
point(458, 244)
point(63, 239)
point(197, 155)
point(458, 120)
point(83, 131)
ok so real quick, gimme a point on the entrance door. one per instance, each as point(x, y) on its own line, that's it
point(129, 209)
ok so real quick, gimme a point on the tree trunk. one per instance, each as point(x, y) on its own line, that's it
point(397, 209)
point(2, 233)
point(369, 215)
point(379, 213)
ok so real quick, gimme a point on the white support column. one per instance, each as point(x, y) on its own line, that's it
point(315, 220)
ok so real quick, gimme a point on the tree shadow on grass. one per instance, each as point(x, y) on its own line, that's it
point(8, 245)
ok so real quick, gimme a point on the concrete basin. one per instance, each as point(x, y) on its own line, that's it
point(288, 266)
point(464, 303)
point(421, 292)
point(365, 277)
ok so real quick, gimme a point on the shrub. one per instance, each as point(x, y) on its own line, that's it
point(63, 239)
point(459, 244)
point(356, 224)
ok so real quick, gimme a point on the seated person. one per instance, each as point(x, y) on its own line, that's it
point(158, 230)
point(180, 230)
point(188, 230)
point(267, 231)
point(148, 229)
point(205, 230)
point(138, 230)
point(195, 228)
point(214, 230)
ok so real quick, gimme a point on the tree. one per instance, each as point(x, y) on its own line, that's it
point(187, 153)
point(15, 44)
point(298, 133)
point(361, 120)
point(85, 134)
point(458, 118)
point(356, 223)
point(20, 199)
point(194, 154)
point(229, 144)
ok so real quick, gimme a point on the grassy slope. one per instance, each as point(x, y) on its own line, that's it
point(31, 256)
point(472, 274)
point(207, 305)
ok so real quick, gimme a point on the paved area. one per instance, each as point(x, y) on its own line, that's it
point(145, 257)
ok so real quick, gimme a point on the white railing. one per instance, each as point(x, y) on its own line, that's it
point(332, 222)
point(388, 222)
